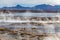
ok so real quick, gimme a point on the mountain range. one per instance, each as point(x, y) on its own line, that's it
point(37, 7)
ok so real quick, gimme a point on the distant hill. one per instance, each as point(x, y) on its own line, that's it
point(17, 7)
point(44, 7)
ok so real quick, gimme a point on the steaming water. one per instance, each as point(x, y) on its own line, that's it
point(47, 28)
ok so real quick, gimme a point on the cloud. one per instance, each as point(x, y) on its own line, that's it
point(28, 2)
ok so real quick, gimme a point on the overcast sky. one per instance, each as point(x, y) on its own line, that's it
point(29, 3)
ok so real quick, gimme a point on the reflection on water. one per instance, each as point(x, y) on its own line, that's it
point(31, 14)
